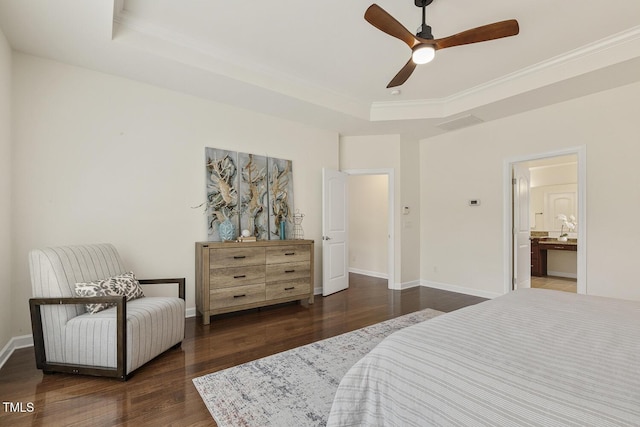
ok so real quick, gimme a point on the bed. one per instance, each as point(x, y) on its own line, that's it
point(529, 358)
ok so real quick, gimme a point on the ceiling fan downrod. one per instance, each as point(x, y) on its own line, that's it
point(424, 32)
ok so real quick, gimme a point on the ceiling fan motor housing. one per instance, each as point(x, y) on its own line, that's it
point(425, 32)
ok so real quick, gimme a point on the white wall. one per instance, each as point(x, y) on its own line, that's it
point(410, 221)
point(99, 158)
point(564, 173)
point(377, 152)
point(5, 193)
point(391, 152)
point(462, 247)
point(369, 224)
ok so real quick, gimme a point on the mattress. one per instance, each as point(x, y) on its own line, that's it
point(529, 358)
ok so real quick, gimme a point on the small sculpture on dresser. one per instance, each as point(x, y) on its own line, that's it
point(298, 232)
point(246, 236)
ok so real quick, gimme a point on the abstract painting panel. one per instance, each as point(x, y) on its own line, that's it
point(280, 197)
point(254, 212)
point(222, 190)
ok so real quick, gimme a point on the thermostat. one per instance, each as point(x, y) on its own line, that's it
point(474, 202)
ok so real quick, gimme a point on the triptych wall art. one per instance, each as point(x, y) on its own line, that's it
point(248, 192)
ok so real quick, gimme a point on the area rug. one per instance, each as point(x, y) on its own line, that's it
point(295, 387)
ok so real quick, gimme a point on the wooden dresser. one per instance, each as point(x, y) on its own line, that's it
point(237, 276)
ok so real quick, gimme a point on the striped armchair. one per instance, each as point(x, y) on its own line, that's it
point(113, 342)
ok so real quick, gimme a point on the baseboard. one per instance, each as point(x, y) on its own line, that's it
point(401, 286)
point(436, 285)
point(14, 344)
point(190, 312)
point(459, 289)
point(408, 285)
point(562, 274)
point(369, 273)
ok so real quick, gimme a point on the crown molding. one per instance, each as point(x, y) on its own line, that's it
point(606, 52)
point(196, 53)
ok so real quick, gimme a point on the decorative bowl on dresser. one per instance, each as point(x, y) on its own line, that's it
point(233, 276)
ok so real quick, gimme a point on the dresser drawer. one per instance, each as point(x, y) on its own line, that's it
point(287, 289)
point(238, 295)
point(235, 257)
point(235, 276)
point(288, 271)
point(293, 253)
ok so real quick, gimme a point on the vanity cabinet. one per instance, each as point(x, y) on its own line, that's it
point(234, 276)
point(538, 259)
point(539, 248)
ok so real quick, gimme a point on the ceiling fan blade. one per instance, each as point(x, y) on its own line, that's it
point(403, 74)
point(493, 31)
point(380, 18)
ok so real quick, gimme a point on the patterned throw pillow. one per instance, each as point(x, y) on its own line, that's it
point(121, 285)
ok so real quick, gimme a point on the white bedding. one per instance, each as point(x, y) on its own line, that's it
point(532, 357)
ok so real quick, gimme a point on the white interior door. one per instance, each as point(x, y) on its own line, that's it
point(521, 227)
point(335, 222)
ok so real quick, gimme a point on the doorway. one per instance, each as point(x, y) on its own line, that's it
point(368, 225)
point(550, 196)
point(371, 220)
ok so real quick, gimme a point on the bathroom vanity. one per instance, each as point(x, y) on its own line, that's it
point(539, 248)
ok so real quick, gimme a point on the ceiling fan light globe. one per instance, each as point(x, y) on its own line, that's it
point(423, 54)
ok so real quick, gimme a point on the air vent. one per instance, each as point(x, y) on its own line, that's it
point(460, 122)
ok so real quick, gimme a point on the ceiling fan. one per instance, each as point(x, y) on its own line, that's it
point(423, 44)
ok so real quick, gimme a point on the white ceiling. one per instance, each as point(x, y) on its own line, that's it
point(321, 63)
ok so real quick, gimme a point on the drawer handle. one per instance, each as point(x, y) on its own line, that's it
point(290, 253)
point(289, 271)
point(239, 256)
point(240, 296)
point(289, 289)
point(242, 276)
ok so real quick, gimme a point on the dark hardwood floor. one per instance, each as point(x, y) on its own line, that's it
point(161, 393)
